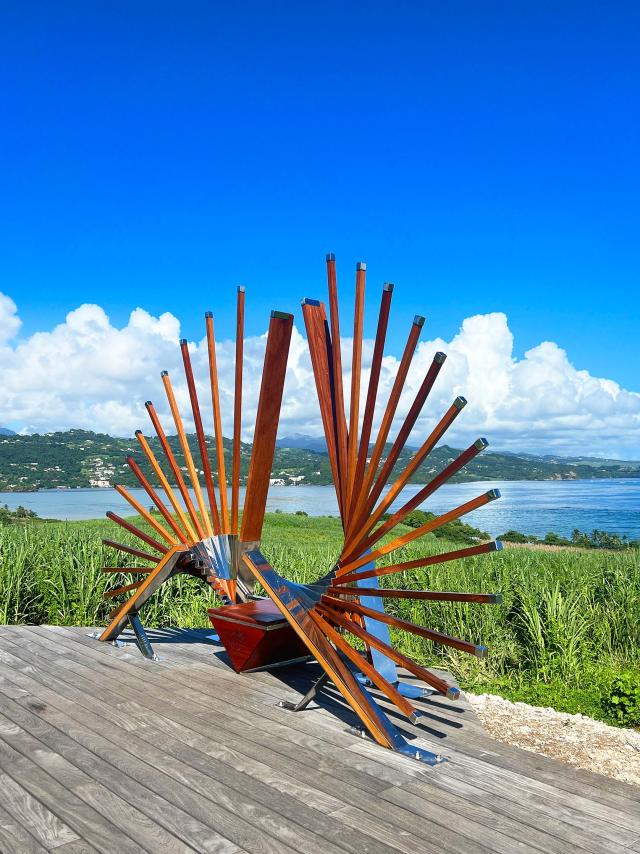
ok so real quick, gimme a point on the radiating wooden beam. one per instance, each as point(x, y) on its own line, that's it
point(197, 530)
point(405, 625)
point(217, 423)
point(429, 560)
point(136, 532)
point(403, 434)
point(356, 370)
point(372, 392)
point(111, 594)
point(387, 420)
point(173, 498)
point(142, 511)
point(153, 495)
point(365, 667)
point(320, 350)
point(267, 416)
point(418, 458)
point(134, 570)
point(421, 672)
point(339, 417)
point(122, 547)
point(428, 595)
point(204, 529)
point(416, 533)
point(421, 496)
point(237, 412)
point(202, 442)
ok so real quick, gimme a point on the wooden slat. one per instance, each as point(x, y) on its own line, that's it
point(403, 434)
point(365, 667)
point(142, 511)
point(204, 529)
point(405, 625)
point(321, 352)
point(418, 458)
point(111, 594)
point(356, 370)
point(421, 496)
point(122, 547)
point(372, 392)
point(409, 537)
point(153, 495)
point(198, 533)
point(128, 526)
point(336, 375)
point(429, 595)
point(237, 411)
point(173, 498)
point(387, 420)
point(266, 429)
point(429, 560)
point(125, 569)
point(217, 423)
point(422, 673)
point(202, 442)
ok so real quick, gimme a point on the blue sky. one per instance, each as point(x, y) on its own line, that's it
point(482, 156)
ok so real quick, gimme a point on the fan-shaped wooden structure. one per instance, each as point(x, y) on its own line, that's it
point(340, 619)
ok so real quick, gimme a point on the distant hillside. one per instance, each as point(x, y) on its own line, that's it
point(4, 431)
point(79, 458)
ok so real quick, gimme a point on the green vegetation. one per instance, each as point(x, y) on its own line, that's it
point(579, 539)
point(81, 458)
point(567, 633)
point(15, 517)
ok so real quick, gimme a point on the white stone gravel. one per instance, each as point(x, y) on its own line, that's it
point(576, 739)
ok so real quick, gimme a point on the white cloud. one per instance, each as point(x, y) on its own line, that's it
point(88, 373)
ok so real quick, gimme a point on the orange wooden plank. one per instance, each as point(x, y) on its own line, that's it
point(267, 417)
point(153, 495)
point(160, 529)
point(356, 371)
point(136, 532)
point(336, 375)
point(217, 423)
point(237, 412)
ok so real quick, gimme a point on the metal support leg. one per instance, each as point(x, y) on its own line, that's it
point(142, 641)
point(308, 697)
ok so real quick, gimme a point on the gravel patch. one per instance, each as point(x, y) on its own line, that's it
point(576, 739)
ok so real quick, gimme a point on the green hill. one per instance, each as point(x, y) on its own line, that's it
point(80, 458)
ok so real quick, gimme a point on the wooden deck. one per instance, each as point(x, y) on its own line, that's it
point(102, 750)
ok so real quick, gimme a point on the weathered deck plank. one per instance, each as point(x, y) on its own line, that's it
point(103, 750)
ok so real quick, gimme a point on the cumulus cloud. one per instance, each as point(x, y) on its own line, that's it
point(88, 373)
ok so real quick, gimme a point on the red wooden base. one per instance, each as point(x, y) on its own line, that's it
point(255, 634)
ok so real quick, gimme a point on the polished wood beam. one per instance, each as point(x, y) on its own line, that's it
point(402, 660)
point(136, 532)
point(112, 544)
point(430, 560)
point(365, 667)
point(356, 371)
point(217, 423)
point(205, 529)
point(173, 498)
point(416, 533)
point(405, 625)
point(372, 391)
point(237, 411)
point(421, 454)
point(134, 570)
point(387, 420)
point(339, 418)
point(200, 436)
point(268, 414)
point(111, 594)
point(142, 511)
point(421, 496)
point(320, 350)
point(429, 595)
point(198, 532)
point(153, 495)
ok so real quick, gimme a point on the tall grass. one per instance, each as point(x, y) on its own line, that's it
point(569, 620)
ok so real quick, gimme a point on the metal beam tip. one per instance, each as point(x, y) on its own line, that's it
point(453, 693)
point(496, 599)
point(498, 546)
point(481, 651)
point(418, 320)
point(439, 357)
point(164, 373)
point(460, 402)
point(148, 403)
point(492, 494)
point(208, 314)
point(281, 315)
point(361, 265)
point(309, 301)
point(183, 342)
point(481, 444)
point(330, 256)
point(240, 289)
point(388, 286)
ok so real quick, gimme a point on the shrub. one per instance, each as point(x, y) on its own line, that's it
point(622, 703)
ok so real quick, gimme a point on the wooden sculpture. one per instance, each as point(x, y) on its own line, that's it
point(339, 619)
